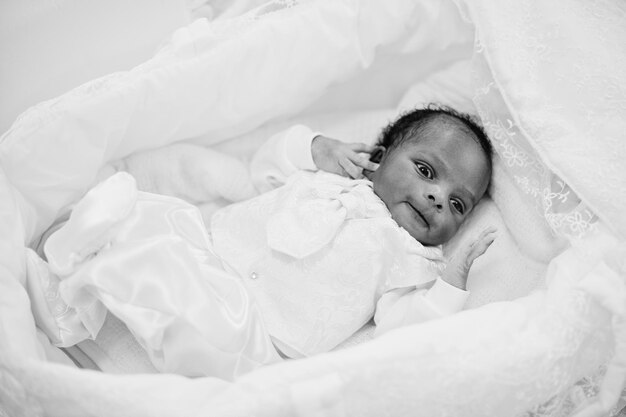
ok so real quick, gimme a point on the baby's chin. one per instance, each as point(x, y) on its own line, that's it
point(429, 239)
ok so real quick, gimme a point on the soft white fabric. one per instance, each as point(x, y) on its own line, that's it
point(551, 102)
point(399, 307)
point(450, 86)
point(115, 350)
point(193, 173)
point(539, 355)
point(63, 326)
point(303, 385)
point(282, 155)
point(153, 267)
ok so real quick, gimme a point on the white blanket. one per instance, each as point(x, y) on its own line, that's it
point(550, 78)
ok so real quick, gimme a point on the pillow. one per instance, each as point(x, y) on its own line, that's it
point(504, 272)
point(525, 222)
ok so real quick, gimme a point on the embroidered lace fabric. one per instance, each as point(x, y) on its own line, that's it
point(553, 101)
point(566, 110)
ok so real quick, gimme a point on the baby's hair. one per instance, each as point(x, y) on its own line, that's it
point(410, 124)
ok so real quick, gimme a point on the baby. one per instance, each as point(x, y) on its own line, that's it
point(333, 240)
point(435, 165)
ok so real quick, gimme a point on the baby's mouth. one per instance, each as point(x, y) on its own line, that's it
point(420, 215)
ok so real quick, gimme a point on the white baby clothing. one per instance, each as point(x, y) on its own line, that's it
point(300, 267)
point(320, 251)
point(317, 254)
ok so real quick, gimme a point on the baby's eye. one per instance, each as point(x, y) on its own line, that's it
point(458, 206)
point(425, 170)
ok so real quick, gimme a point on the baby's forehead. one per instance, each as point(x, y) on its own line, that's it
point(442, 129)
point(443, 125)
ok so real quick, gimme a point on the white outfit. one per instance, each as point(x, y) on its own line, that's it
point(320, 251)
point(307, 264)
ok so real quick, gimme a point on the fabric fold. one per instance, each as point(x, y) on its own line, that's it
point(154, 269)
point(311, 217)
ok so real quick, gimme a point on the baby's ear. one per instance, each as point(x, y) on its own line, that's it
point(377, 154)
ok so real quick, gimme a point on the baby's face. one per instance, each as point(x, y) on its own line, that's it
point(431, 183)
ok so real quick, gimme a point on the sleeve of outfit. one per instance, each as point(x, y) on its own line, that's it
point(405, 306)
point(281, 156)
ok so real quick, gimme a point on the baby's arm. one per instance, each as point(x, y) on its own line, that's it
point(281, 156)
point(300, 148)
point(459, 265)
point(405, 306)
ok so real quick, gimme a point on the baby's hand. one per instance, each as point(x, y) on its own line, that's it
point(346, 159)
point(457, 270)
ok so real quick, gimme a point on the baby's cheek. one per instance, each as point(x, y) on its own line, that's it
point(450, 230)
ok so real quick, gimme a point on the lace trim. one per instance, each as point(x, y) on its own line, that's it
point(553, 198)
point(537, 48)
point(577, 397)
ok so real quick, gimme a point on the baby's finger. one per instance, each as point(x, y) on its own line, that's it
point(480, 247)
point(487, 231)
point(363, 162)
point(352, 170)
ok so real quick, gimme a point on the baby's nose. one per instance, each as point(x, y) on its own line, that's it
point(435, 200)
